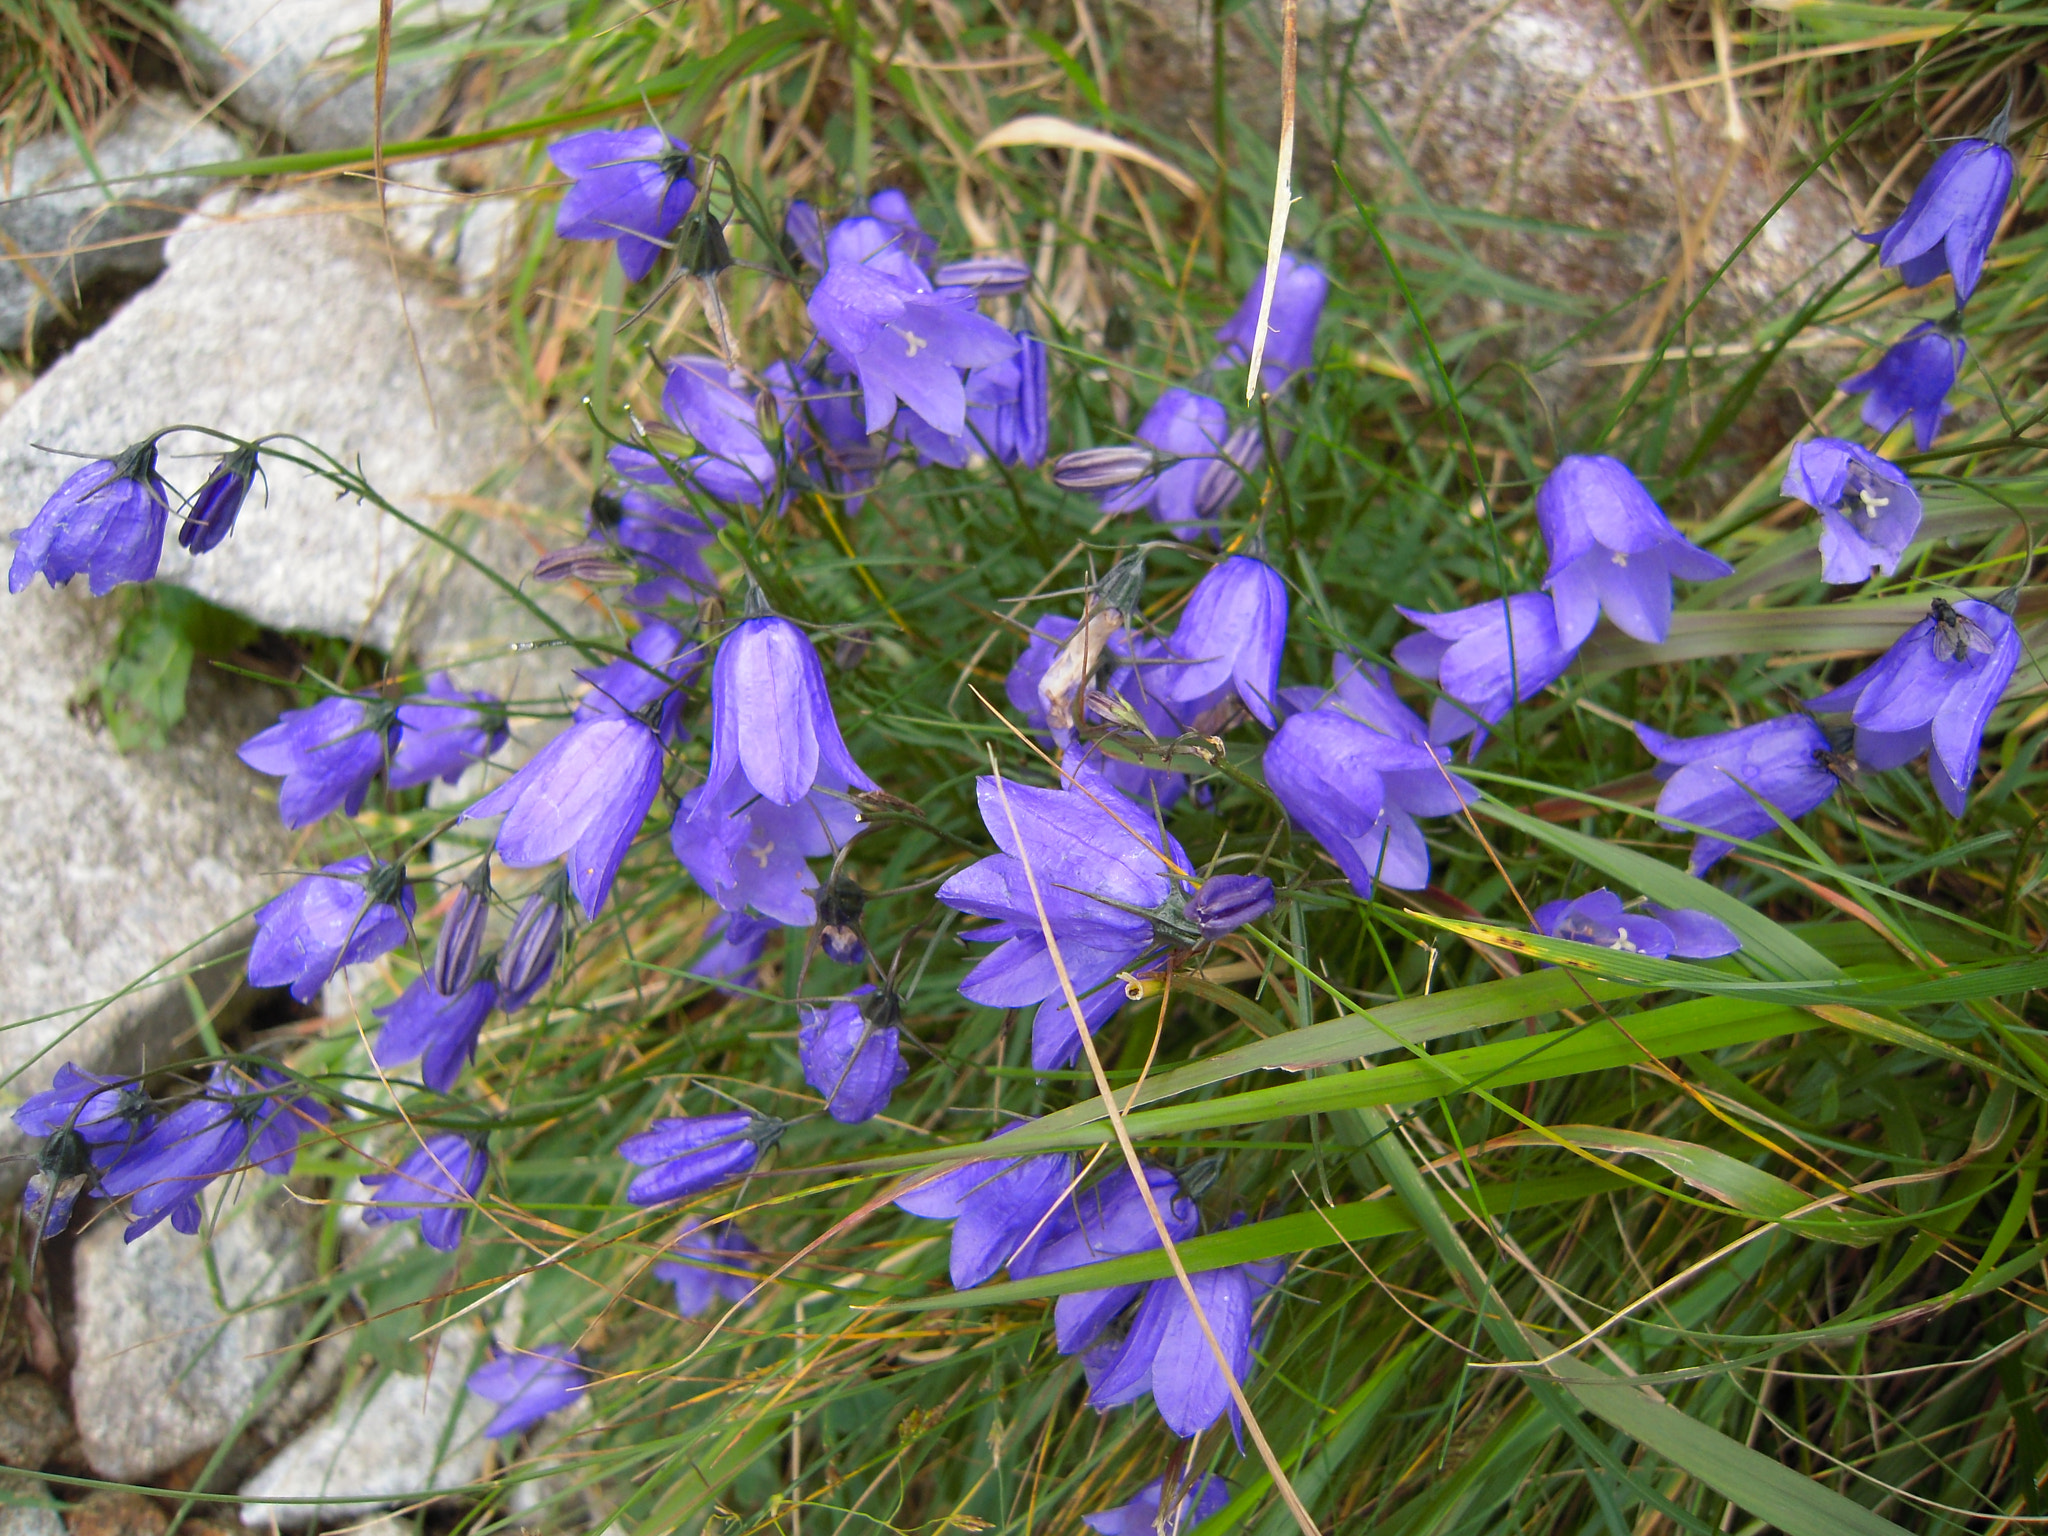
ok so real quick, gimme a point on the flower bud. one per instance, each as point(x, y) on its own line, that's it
point(1242, 456)
point(1102, 469)
point(461, 943)
point(210, 515)
point(986, 275)
point(594, 563)
point(534, 944)
point(701, 250)
point(1227, 902)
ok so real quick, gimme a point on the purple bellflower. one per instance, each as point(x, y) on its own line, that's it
point(989, 276)
point(528, 1384)
point(1613, 550)
point(348, 913)
point(1188, 431)
point(739, 940)
point(1723, 782)
point(1106, 1221)
point(1950, 218)
point(1204, 1495)
point(1138, 668)
point(701, 1269)
point(665, 544)
point(825, 438)
point(1298, 297)
point(245, 1117)
point(684, 1157)
point(803, 235)
point(1662, 933)
point(776, 794)
point(661, 662)
point(444, 730)
point(1225, 903)
point(1230, 636)
point(1932, 692)
point(435, 1186)
point(534, 945)
point(1869, 511)
point(1008, 414)
point(459, 947)
point(1164, 1352)
point(902, 338)
point(326, 755)
point(1912, 379)
point(91, 1123)
point(1485, 658)
point(852, 1054)
point(1000, 1210)
point(106, 521)
point(632, 185)
point(714, 408)
point(210, 516)
point(893, 208)
point(439, 1030)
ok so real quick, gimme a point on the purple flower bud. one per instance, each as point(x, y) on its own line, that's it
point(803, 235)
point(1106, 1221)
point(1225, 903)
point(1205, 1494)
point(706, 1254)
point(1485, 658)
point(534, 945)
point(893, 208)
point(1913, 378)
point(632, 185)
point(589, 562)
point(1612, 549)
point(444, 730)
point(460, 947)
point(1598, 917)
point(1933, 692)
point(839, 911)
point(1000, 1210)
point(1298, 296)
point(1190, 431)
point(210, 516)
point(1718, 781)
point(106, 521)
point(1869, 511)
point(741, 938)
point(1230, 636)
point(686, 1157)
point(440, 1028)
point(852, 1054)
point(350, 912)
point(988, 276)
point(1950, 219)
point(434, 1186)
point(327, 755)
point(530, 1384)
point(1103, 469)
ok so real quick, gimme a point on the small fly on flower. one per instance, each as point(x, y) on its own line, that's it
point(1956, 636)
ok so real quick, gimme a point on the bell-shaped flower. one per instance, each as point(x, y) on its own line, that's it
point(1365, 693)
point(1486, 659)
point(705, 1258)
point(1599, 918)
point(1298, 295)
point(435, 1187)
point(327, 755)
point(442, 731)
point(902, 338)
point(713, 406)
point(852, 1054)
point(1106, 1221)
point(892, 207)
point(1933, 692)
point(1166, 1354)
point(438, 1030)
point(776, 793)
point(528, 1385)
point(1203, 1495)
point(685, 1157)
point(803, 235)
point(1186, 432)
point(1008, 414)
point(632, 185)
point(1229, 639)
point(825, 437)
point(1613, 550)
point(1000, 1208)
point(1913, 379)
point(110, 1115)
point(664, 544)
point(350, 912)
point(106, 521)
point(1869, 511)
point(1724, 782)
point(660, 663)
point(534, 945)
point(738, 941)
point(1138, 666)
point(210, 516)
point(1950, 219)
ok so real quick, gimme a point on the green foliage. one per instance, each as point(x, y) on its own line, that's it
point(140, 687)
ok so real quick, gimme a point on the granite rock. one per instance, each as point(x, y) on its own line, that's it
point(26, 1507)
point(34, 1422)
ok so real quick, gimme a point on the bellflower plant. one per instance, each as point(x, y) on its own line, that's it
point(528, 1384)
point(1229, 639)
point(1932, 692)
point(1298, 295)
point(685, 1157)
point(1869, 511)
point(1612, 550)
point(1205, 1494)
point(1599, 918)
point(439, 1030)
point(1106, 1221)
point(349, 912)
point(105, 522)
point(1723, 782)
point(852, 1054)
point(1000, 1208)
point(442, 731)
point(1913, 379)
point(714, 407)
point(1951, 217)
point(1188, 432)
point(327, 755)
point(1485, 658)
point(825, 438)
point(1007, 414)
point(704, 1256)
point(1165, 1353)
point(210, 516)
point(631, 185)
point(1138, 667)
point(434, 1186)
point(664, 543)
point(1225, 903)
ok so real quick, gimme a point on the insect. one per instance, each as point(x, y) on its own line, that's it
point(1956, 636)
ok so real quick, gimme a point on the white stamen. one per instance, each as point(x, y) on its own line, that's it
point(1621, 559)
point(1621, 941)
point(914, 342)
point(761, 853)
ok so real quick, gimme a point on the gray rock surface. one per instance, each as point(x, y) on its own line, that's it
point(34, 1422)
point(62, 232)
point(384, 1441)
point(163, 1372)
point(26, 1508)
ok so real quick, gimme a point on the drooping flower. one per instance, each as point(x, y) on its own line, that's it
point(1485, 658)
point(1298, 295)
point(438, 1029)
point(1166, 1354)
point(1106, 1221)
point(989, 276)
point(1869, 511)
point(780, 772)
point(665, 544)
point(1612, 549)
point(1598, 917)
point(1204, 1494)
point(1913, 378)
point(1723, 782)
point(435, 1186)
point(714, 407)
point(1187, 431)
point(902, 338)
point(852, 1054)
point(1933, 692)
point(210, 516)
point(109, 1113)
point(1950, 219)
point(534, 945)
point(444, 730)
point(1229, 639)
point(705, 1256)
point(106, 521)
point(825, 438)
point(661, 662)
point(632, 185)
point(740, 938)
point(245, 1117)
point(1008, 413)
point(327, 755)
point(529, 1384)
point(892, 207)
point(684, 1157)
point(1000, 1209)
point(349, 912)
